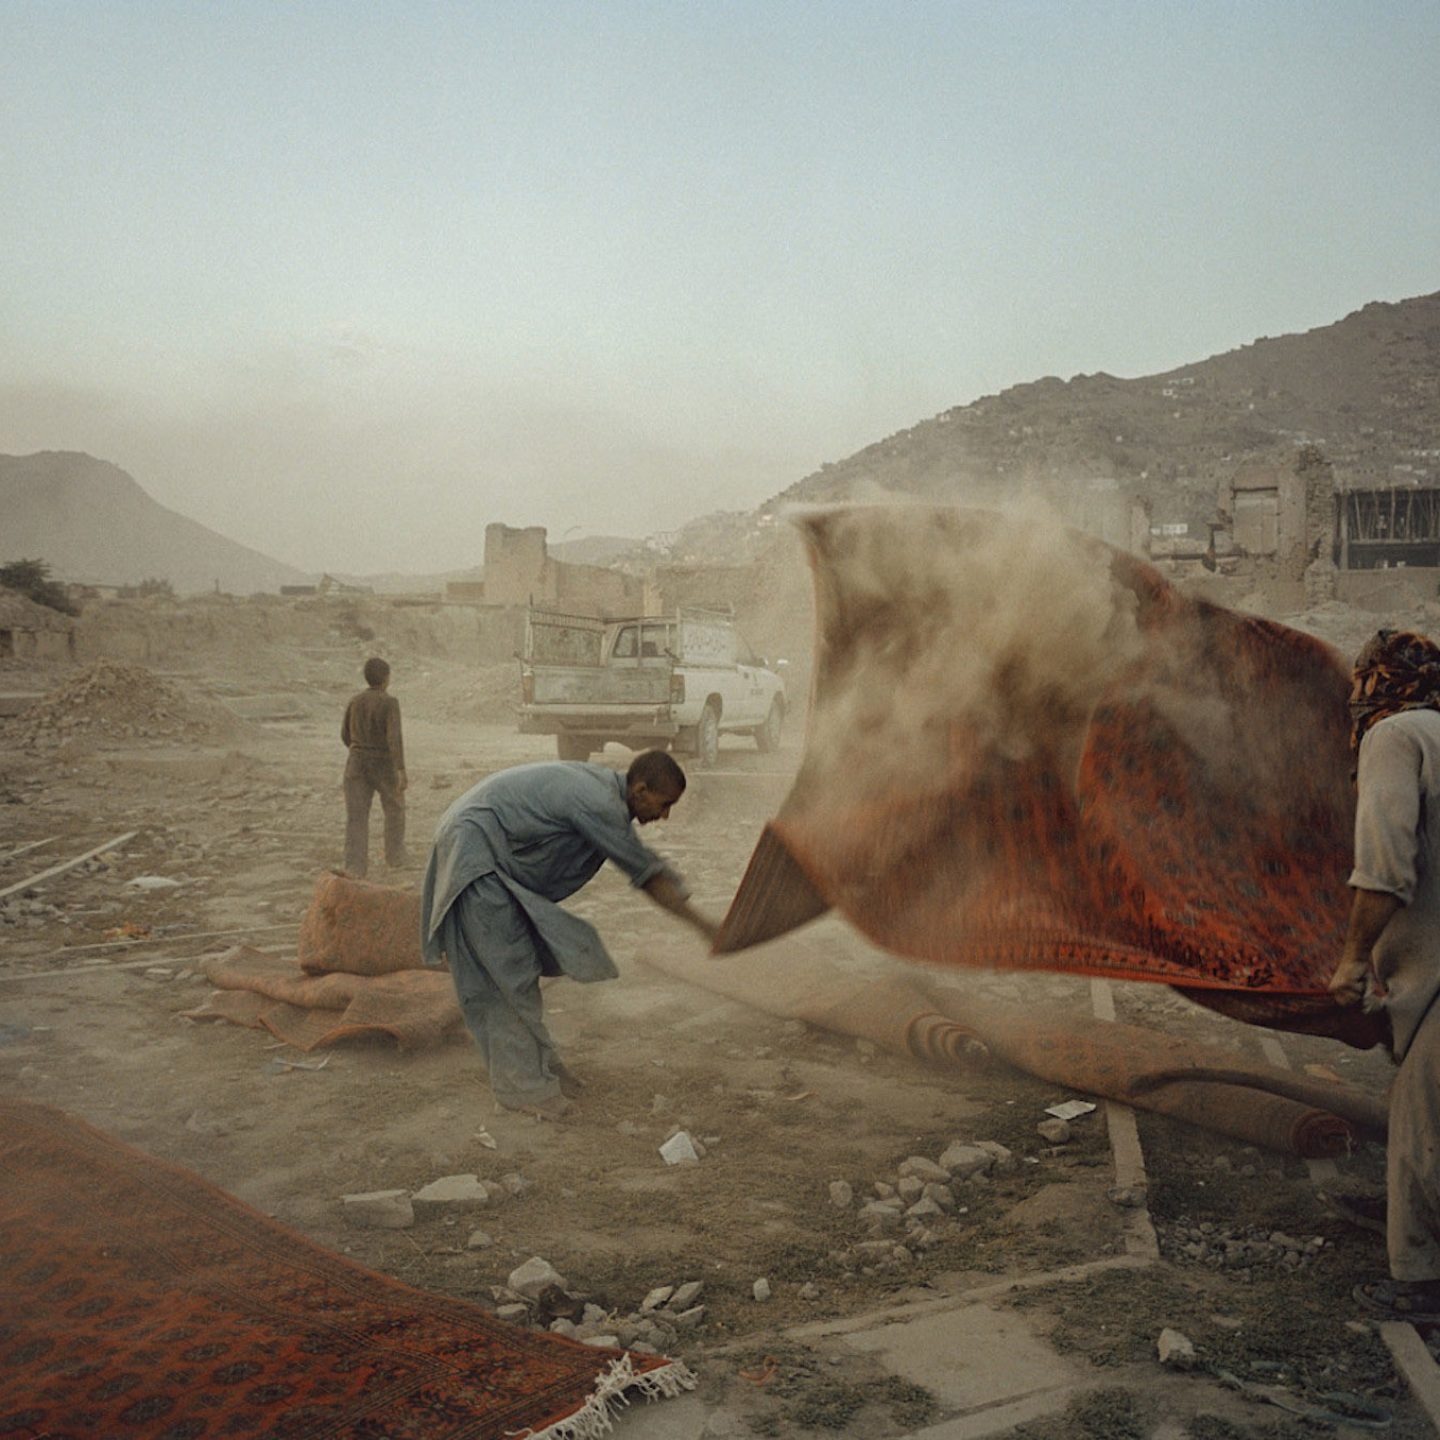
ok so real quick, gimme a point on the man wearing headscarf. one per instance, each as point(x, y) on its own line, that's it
point(1391, 955)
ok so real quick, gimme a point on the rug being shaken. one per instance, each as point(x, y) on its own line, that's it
point(140, 1300)
point(1027, 750)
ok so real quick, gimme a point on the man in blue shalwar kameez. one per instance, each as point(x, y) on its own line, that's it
point(505, 852)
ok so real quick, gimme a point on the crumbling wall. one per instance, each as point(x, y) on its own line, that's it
point(246, 633)
point(594, 590)
point(517, 566)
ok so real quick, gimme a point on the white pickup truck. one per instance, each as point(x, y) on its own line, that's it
point(681, 681)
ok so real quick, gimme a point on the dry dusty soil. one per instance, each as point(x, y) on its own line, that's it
point(96, 974)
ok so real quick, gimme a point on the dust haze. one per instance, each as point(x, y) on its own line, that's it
point(343, 464)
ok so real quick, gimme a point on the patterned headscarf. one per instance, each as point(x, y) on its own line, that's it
point(1397, 670)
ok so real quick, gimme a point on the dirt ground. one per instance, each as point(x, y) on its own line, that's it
point(246, 813)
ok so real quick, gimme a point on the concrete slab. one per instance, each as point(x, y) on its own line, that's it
point(1413, 1359)
point(687, 1417)
point(970, 1359)
point(997, 1419)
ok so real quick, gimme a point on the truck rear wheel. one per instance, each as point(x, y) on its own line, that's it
point(575, 747)
point(707, 737)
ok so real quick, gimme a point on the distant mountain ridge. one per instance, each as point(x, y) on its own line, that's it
point(92, 522)
point(1365, 389)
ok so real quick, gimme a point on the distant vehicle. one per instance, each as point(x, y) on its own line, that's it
point(648, 681)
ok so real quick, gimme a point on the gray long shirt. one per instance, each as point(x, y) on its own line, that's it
point(1397, 841)
point(543, 830)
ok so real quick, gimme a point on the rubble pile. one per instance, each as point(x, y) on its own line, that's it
point(904, 1215)
point(110, 701)
point(1244, 1250)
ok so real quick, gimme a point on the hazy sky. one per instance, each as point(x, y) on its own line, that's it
point(347, 282)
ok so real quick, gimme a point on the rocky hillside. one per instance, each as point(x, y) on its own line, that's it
point(92, 522)
point(1365, 389)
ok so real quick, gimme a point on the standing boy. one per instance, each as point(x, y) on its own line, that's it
point(375, 765)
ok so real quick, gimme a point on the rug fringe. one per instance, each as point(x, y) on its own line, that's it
point(595, 1418)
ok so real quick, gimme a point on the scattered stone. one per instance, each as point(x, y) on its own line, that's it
point(918, 1167)
point(656, 1298)
point(479, 1240)
point(881, 1214)
point(689, 1319)
point(379, 1209)
point(1003, 1157)
point(809, 1291)
point(515, 1184)
point(761, 1289)
point(451, 1192)
point(514, 1314)
point(1127, 1197)
point(961, 1161)
point(940, 1195)
point(679, 1149)
point(1057, 1132)
point(924, 1209)
point(686, 1295)
point(1175, 1350)
point(842, 1195)
point(535, 1275)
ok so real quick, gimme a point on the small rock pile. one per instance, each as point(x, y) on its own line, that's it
point(537, 1294)
point(1240, 1250)
point(110, 701)
point(28, 910)
point(903, 1215)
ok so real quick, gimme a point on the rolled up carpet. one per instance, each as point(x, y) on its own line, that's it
point(1308, 1118)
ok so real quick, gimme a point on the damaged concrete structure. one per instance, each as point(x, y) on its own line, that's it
point(519, 570)
point(1296, 521)
point(33, 632)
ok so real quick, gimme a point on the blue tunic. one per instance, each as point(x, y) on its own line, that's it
point(542, 831)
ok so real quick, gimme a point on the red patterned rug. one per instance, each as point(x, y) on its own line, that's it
point(141, 1301)
point(1028, 750)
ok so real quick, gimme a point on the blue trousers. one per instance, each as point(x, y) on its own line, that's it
point(496, 961)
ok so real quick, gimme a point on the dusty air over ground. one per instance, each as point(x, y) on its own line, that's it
point(974, 445)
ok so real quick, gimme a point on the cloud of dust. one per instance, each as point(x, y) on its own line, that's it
point(946, 633)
